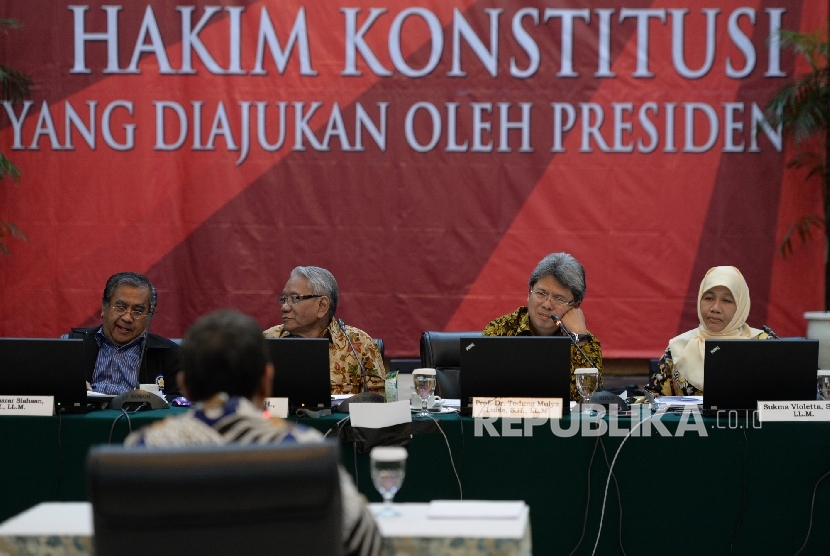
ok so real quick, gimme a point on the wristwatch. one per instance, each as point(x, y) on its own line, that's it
point(578, 338)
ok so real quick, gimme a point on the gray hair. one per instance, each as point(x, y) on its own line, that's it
point(563, 268)
point(321, 282)
point(133, 279)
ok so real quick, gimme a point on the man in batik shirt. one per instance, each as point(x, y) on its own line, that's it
point(227, 375)
point(557, 288)
point(308, 303)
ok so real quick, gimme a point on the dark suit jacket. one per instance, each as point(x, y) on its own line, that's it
point(161, 357)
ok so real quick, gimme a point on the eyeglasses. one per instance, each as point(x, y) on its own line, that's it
point(294, 299)
point(542, 296)
point(137, 314)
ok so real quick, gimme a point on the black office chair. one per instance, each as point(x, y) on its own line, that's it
point(216, 500)
point(442, 351)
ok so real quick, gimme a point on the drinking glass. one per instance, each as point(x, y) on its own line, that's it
point(823, 380)
point(388, 466)
point(424, 382)
point(587, 381)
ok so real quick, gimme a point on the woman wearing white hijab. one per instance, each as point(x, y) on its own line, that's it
point(723, 306)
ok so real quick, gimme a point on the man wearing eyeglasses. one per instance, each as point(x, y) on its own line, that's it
point(308, 303)
point(121, 353)
point(557, 288)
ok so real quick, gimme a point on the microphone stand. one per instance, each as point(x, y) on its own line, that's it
point(561, 325)
point(127, 399)
point(567, 333)
point(769, 332)
point(356, 355)
point(143, 350)
point(365, 395)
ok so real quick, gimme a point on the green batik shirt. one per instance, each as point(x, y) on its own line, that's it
point(517, 323)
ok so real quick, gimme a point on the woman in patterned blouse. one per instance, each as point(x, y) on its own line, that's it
point(723, 307)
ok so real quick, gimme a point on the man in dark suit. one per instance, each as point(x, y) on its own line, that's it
point(121, 353)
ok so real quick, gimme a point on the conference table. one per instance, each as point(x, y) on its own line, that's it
point(681, 483)
point(442, 527)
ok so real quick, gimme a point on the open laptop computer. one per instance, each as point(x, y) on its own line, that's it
point(301, 372)
point(515, 366)
point(44, 367)
point(738, 373)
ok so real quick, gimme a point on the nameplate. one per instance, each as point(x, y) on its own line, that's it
point(379, 415)
point(41, 406)
point(278, 407)
point(518, 408)
point(794, 411)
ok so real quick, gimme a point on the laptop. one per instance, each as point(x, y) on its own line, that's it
point(301, 372)
point(738, 373)
point(44, 367)
point(515, 366)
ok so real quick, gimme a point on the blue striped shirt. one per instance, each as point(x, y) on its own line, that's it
point(116, 369)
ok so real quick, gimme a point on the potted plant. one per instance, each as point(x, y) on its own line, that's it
point(14, 87)
point(802, 109)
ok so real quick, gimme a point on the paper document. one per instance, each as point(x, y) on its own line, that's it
point(679, 400)
point(475, 509)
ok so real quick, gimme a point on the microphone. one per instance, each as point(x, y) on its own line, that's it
point(143, 349)
point(769, 331)
point(565, 331)
point(356, 355)
point(365, 396)
point(137, 399)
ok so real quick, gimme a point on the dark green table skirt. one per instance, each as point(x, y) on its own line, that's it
point(742, 489)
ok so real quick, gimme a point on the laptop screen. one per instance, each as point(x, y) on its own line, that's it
point(301, 372)
point(515, 366)
point(44, 367)
point(738, 373)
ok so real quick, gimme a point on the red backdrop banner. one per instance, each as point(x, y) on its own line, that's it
point(427, 153)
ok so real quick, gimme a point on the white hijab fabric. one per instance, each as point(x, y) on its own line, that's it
point(687, 348)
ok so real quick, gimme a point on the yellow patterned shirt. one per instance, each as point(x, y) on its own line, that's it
point(517, 323)
point(345, 372)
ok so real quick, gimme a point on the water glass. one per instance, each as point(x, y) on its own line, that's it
point(587, 382)
point(823, 384)
point(388, 467)
point(424, 383)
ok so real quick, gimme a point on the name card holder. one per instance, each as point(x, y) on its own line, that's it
point(518, 408)
point(794, 411)
point(278, 407)
point(38, 406)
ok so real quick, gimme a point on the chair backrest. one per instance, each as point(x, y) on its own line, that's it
point(216, 500)
point(442, 352)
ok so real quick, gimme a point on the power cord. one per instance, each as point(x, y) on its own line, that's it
point(60, 456)
point(617, 486)
point(354, 461)
point(124, 413)
point(339, 426)
point(743, 503)
point(611, 472)
point(588, 503)
point(812, 509)
point(449, 450)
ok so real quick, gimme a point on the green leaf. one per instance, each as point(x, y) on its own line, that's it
point(8, 169)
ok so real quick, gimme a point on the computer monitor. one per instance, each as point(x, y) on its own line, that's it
point(44, 367)
point(739, 373)
point(301, 372)
point(515, 366)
